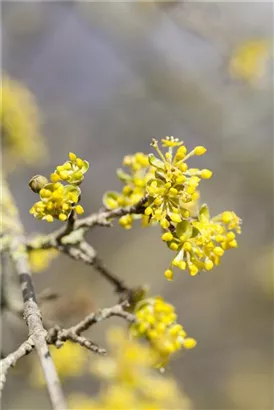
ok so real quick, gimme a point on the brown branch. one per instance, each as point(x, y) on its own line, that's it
point(57, 335)
point(11, 360)
point(96, 317)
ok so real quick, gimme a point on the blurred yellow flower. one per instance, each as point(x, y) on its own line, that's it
point(69, 360)
point(40, 259)
point(20, 121)
point(131, 382)
point(249, 59)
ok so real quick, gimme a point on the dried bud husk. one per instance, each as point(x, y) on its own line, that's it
point(37, 183)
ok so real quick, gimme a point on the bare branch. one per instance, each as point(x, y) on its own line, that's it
point(12, 358)
point(96, 317)
point(57, 335)
point(19, 256)
point(33, 319)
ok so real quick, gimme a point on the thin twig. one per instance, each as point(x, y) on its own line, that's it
point(57, 335)
point(96, 317)
point(11, 360)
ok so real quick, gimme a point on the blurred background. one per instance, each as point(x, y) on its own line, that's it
point(108, 77)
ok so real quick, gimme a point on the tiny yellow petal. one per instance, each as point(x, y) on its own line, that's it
point(79, 209)
point(182, 265)
point(193, 270)
point(209, 264)
point(167, 236)
point(49, 218)
point(164, 223)
point(173, 246)
point(200, 150)
point(148, 211)
point(227, 216)
point(63, 217)
point(206, 173)
point(218, 251)
point(175, 217)
point(233, 243)
point(169, 274)
point(187, 247)
point(79, 162)
point(55, 177)
point(72, 156)
point(189, 343)
point(64, 175)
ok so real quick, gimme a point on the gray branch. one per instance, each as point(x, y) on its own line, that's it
point(11, 360)
point(37, 333)
point(57, 335)
point(33, 319)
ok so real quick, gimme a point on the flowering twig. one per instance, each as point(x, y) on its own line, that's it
point(70, 240)
point(81, 226)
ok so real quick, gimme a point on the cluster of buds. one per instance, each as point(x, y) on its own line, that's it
point(71, 171)
point(135, 182)
point(174, 184)
point(200, 243)
point(156, 320)
point(172, 191)
point(58, 200)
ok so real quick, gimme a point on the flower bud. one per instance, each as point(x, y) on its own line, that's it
point(37, 183)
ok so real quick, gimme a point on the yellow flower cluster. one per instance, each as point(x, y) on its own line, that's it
point(172, 190)
point(58, 200)
point(69, 360)
point(156, 321)
point(200, 244)
point(20, 123)
point(131, 381)
point(174, 184)
point(135, 182)
point(71, 171)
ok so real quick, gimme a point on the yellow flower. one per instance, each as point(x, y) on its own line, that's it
point(69, 360)
point(40, 259)
point(171, 188)
point(156, 321)
point(56, 199)
point(71, 171)
point(134, 187)
point(174, 185)
point(56, 202)
point(171, 142)
point(249, 59)
point(130, 380)
point(202, 242)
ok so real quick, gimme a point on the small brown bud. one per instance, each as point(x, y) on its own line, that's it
point(37, 183)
